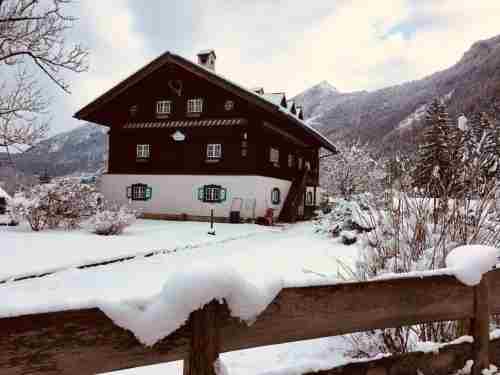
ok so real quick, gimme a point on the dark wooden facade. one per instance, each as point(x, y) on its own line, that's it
point(161, 81)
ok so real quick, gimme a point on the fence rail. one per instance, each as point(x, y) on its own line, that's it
point(87, 342)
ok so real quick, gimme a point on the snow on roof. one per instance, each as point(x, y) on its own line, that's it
point(276, 98)
point(206, 52)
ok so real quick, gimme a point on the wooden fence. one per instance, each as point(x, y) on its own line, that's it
point(87, 342)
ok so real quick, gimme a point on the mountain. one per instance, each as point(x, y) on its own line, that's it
point(79, 151)
point(392, 115)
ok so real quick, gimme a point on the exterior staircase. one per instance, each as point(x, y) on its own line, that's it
point(289, 211)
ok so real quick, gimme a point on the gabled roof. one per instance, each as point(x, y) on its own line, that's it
point(277, 98)
point(216, 79)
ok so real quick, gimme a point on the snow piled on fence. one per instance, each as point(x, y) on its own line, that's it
point(469, 263)
point(190, 289)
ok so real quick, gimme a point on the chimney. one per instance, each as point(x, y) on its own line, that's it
point(207, 58)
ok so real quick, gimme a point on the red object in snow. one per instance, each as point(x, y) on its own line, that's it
point(269, 216)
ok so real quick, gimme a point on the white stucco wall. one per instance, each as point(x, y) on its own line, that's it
point(178, 194)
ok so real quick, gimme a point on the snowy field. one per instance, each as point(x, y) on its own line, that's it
point(293, 254)
point(23, 251)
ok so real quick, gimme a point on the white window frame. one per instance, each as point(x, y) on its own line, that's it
point(290, 160)
point(274, 156)
point(143, 151)
point(212, 194)
point(214, 151)
point(163, 107)
point(195, 105)
point(299, 163)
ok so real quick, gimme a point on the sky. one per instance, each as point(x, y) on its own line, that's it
point(276, 44)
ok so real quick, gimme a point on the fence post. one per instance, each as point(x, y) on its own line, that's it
point(480, 326)
point(204, 345)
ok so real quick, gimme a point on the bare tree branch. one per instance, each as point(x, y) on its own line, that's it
point(33, 44)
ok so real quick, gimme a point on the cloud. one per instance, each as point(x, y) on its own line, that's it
point(116, 50)
point(284, 45)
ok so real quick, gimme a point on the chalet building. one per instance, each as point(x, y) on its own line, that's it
point(183, 140)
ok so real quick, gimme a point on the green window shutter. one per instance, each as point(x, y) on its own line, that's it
point(223, 194)
point(129, 192)
point(201, 193)
point(149, 193)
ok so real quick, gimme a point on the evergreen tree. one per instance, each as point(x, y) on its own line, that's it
point(433, 157)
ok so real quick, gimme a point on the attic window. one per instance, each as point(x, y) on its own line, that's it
point(229, 105)
point(274, 156)
point(163, 107)
point(290, 160)
point(133, 110)
point(299, 163)
point(195, 105)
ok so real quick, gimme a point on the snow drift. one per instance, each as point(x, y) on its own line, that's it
point(188, 290)
point(469, 263)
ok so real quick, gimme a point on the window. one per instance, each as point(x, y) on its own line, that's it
point(214, 151)
point(290, 161)
point(195, 105)
point(163, 107)
point(133, 110)
point(275, 196)
point(309, 198)
point(308, 165)
point(299, 164)
point(139, 192)
point(212, 194)
point(143, 151)
point(274, 156)
point(229, 105)
point(244, 148)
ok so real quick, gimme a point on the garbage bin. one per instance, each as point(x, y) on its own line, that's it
point(234, 217)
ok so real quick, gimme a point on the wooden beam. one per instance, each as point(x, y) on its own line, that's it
point(205, 341)
point(481, 327)
point(50, 343)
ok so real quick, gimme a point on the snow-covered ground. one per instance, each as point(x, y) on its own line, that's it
point(24, 252)
point(293, 254)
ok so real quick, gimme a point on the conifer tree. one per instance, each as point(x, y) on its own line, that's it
point(433, 159)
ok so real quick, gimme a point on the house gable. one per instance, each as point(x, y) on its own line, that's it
point(113, 107)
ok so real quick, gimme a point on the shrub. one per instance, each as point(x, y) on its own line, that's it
point(112, 220)
point(63, 203)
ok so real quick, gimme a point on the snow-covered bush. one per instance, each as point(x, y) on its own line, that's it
point(63, 203)
point(417, 234)
point(352, 171)
point(348, 218)
point(112, 220)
